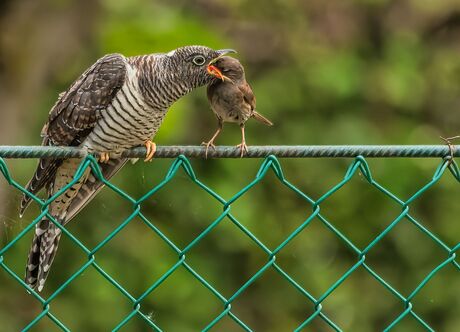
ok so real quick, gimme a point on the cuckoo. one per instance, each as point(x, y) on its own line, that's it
point(231, 98)
point(116, 104)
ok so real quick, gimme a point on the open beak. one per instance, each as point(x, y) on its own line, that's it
point(216, 72)
point(213, 70)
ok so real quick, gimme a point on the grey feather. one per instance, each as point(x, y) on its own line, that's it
point(117, 104)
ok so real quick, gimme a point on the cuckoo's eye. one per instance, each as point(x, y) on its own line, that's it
point(199, 60)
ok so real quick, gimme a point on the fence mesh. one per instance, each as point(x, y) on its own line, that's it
point(270, 163)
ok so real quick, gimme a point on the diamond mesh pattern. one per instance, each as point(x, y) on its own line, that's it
point(270, 163)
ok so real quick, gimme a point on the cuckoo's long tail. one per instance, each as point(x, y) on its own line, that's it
point(64, 208)
point(42, 253)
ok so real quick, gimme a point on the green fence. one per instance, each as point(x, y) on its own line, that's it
point(270, 164)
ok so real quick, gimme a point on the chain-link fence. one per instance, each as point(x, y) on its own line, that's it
point(270, 164)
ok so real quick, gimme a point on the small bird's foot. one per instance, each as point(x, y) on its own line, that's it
point(208, 145)
point(448, 141)
point(243, 148)
point(104, 157)
point(151, 149)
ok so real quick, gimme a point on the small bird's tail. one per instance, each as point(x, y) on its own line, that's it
point(42, 253)
point(259, 117)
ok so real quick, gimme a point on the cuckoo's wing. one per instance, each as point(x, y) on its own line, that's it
point(75, 114)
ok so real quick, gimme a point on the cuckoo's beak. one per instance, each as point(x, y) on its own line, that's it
point(226, 51)
point(221, 53)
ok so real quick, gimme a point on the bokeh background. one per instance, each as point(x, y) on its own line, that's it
point(325, 72)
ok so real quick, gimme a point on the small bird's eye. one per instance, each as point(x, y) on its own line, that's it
point(199, 60)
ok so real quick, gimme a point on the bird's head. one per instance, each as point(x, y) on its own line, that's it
point(226, 68)
point(189, 64)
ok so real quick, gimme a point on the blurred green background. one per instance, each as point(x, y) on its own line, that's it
point(325, 72)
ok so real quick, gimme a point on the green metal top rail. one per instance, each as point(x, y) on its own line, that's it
point(282, 151)
point(410, 308)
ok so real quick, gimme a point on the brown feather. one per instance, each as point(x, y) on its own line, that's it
point(74, 115)
point(259, 117)
point(248, 95)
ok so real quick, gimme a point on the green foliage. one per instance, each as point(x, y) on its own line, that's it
point(326, 72)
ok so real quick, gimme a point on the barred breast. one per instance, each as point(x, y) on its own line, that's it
point(128, 121)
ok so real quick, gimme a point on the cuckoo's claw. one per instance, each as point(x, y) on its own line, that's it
point(104, 157)
point(151, 149)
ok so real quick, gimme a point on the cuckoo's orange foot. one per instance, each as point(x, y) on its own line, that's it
point(151, 149)
point(104, 157)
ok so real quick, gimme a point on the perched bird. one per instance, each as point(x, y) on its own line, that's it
point(231, 98)
point(117, 104)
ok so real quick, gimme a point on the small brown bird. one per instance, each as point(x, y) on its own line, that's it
point(231, 98)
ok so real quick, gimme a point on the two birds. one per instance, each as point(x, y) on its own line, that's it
point(116, 104)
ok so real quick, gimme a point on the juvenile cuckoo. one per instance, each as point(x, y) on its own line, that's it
point(117, 104)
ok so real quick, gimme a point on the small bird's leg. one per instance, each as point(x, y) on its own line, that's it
point(213, 138)
point(448, 141)
point(151, 149)
point(104, 157)
point(243, 147)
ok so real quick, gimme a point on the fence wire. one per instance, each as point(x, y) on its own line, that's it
point(270, 163)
